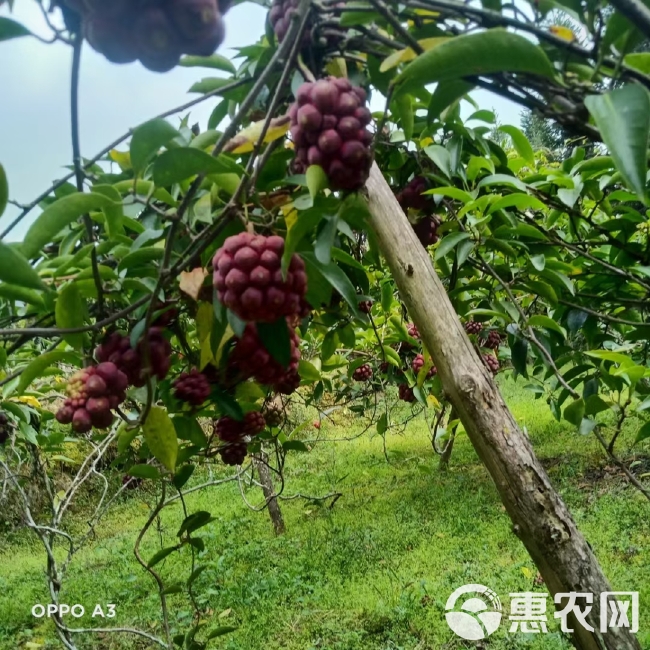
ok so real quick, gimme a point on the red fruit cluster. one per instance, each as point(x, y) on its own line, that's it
point(383, 367)
point(156, 33)
point(248, 278)
point(406, 393)
point(131, 482)
point(192, 387)
point(472, 327)
point(280, 18)
point(413, 331)
point(418, 363)
point(492, 340)
point(5, 428)
point(251, 359)
point(426, 230)
point(491, 363)
point(234, 432)
point(328, 128)
point(167, 316)
point(365, 306)
point(117, 349)
point(92, 393)
point(362, 373)
point(411, 196)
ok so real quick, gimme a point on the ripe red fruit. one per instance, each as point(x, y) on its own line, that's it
point(472, 327)
point(81, 421)
point(418, 363)
point(248, 278)
point(316, 424)
point(159, 47)
point(492, 363)
point(492, 340)
point(65, 414)
point(413, 331)
point(110, 37)
point(406, 393)
point(328, 124)
point(228, 429)
point(426, 230)
point(288, 383)
point(96, 386)
point(362, 373)
point(254, 423)
point(192, 387)
point(365, 306)
point(233, 454)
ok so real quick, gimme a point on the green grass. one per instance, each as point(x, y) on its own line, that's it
point(372, 573)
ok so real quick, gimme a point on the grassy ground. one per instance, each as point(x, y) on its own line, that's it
point(372, 573)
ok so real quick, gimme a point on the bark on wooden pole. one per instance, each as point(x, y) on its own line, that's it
point(539, 516)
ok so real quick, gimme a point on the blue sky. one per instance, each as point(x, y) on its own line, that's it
point(34, 109)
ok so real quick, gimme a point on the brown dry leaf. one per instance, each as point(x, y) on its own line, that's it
point(192, 281)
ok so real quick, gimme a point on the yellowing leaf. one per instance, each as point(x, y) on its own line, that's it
point(432, 402)
point(527, 572)
point(160, 436)
point(27, 399)
point(406, 55)
point(245, 140)
point(337, 67)
point(562, 32)
point(122, 158)
point(191, 281)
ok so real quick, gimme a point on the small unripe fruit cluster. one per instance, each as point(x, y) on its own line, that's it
point(5, 428)
point(492, 340)
point(251, 359)
point(365, 306)
point(426, 230)
point(117, 349)
point(413, 331)
point(92, 393)
point(406, 393)
point(328, 128)
point(383, 367)
point(418, 363)
point(156, 33)
point(362, 373)
point(491, 362)
point(192, 387)
point(472, 327)
point(131, 482)
point(273, 416)
point(249, 282)
point(234, 432)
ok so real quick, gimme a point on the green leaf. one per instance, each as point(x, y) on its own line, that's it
point(316, 180)
point(144, 471)
point(188, 428)
point(403, 108)
point(195, 574)
point(178, 164)
point(294, 445)
point(125, 437)
point(623, 118)
point(4, 190)
point(11, 29)
point(575, 412)
point(209, 85)
point(161, 555)
point(113, 213)
point(447, 93)
point(519, 201)
point(215, 61)
point(194, 521)
point(452, 192)
point(220, 631)
point(391, 356)
point(548, 323)
point(449, 242)
point(595, 404)
point(386, 296)
point(304, 223)
point(488, 52)
point(38, 366)
point(329, 345)
point(16, 270)
point(147, 140)
point(519, 356)
point(325, 241)
point(183, 475)
point(520, 142)
point(502, 179)
point(69, 312)
point(440, 157)
point(338, 279)
point(173, 589)
point(276, 340)
point(308, 371)
point(382, 424)
point(542, 289)
point(576, 319)
point(643, 433)
point(160, 436)
point(57, 216)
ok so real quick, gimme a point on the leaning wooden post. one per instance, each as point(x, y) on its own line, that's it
point(539, 516)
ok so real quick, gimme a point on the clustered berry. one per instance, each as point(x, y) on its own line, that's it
point(280, 17)
point(365, 306)
point(156, 33)
point(413, 331)
point(192, 387)
point(273, 415)
point(492, 340)
point(328, 128)
point(249, 282)
point(117, 349)
point(418, 363)
point(234, 432)
point(406, 393)
point(5, 427)
point(383, 367)
point(491, 362)
point(412, 197)
point(426, 230)
point(362, 373)
point(250, 358)
point(472, 327)
point(92, 393)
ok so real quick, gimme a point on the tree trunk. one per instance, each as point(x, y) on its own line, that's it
point(540, 518)
point(261, 463)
